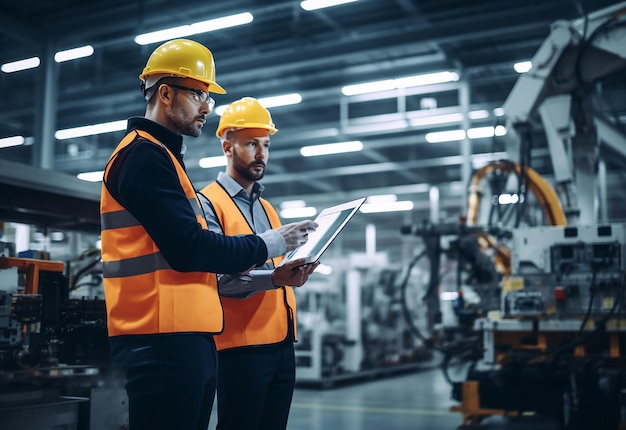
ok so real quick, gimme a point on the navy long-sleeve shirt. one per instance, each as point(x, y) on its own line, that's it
point(143, 179)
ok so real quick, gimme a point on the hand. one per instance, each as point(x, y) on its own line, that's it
point(296, 233)
point(295, 273)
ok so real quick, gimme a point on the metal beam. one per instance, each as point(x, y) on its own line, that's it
point(19, 30)
point(611, 136)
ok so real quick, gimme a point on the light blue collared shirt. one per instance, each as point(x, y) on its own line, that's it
point(242, 286)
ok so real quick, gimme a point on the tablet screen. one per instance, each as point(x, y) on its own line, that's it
point(330, 222)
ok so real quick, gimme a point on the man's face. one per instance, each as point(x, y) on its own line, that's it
point(188, 107)
point(250, 152)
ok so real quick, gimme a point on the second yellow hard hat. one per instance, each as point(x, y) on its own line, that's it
point(245, 113)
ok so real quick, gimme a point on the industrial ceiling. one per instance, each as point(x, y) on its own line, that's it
point(286, 49)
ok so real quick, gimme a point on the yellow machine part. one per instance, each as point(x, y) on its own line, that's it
point(545, 194)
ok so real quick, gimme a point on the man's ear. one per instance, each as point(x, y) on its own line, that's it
point(164, 92)
point(227, 147)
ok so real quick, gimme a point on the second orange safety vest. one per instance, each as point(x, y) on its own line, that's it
point(143, 294)
point(265, 317)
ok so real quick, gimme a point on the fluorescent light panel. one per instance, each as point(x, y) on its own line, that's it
point(91, 176)
point(16, 66)
point(478, 114)
point(445, 136)
point(369, 87)
point(88, 130)
point(282, 100)
point(331, 148)
point(69, 133)
point(405, 82)
point(269, 102)
point(382, 198)
point(403, 205)
point(305, 212)
point(427, 79)
point(73, 54)
point(219, 110)
point(472, 133)
point(195, 28)
point(290, 204)
point(508, 199)
point(480, 132)
point(523, 66)
point(321, 4)
point(296, 209)
point(33, 62)
point(324, 269)
point(216, 161)
point(449, 295)
point(7, 142)
point(500, 130)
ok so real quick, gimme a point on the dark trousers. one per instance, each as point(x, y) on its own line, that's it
point(170, 379)
point(255, 387)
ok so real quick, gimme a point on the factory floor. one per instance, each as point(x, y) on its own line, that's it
point(415, 400)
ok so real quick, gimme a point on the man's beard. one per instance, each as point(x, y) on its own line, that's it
point(245, 171)
point(180, 118)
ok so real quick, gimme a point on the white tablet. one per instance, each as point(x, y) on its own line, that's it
point(330, 222)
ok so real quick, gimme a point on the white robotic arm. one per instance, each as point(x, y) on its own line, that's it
point(573, 56)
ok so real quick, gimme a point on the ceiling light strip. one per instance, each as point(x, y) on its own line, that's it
point(88, 130)
point(331, 148)
point(269, 102)
point(195, 28)
point(310, 5)
point(12, 141)
point(305, 212)
point(403, 205)
point(17, 66)
point(208, 162)
point(95, 176)
point(73, 54)
point(405, 82)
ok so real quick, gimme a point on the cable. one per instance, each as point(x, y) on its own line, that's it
point(405, 309)
point(603, 28)
point(81, 273)
point(525, 157)
point(592, 293)
point(557, 352)
point(428, 342)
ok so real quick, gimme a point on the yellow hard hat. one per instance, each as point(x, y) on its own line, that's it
point(181, 58)
point(245, 113)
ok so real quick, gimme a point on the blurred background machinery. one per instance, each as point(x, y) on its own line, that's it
point(545, 331)
point(351, 324)
point(530, 318)
point(54, 354)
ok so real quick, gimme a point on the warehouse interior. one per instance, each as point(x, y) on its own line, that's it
point(480, 284)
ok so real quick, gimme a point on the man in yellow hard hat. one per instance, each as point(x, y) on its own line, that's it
point(159, 258)
point(256, 367)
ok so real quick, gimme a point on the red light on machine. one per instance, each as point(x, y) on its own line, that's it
point(559, 294)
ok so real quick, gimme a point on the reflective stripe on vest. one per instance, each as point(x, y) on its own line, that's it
point(134, 266)
point(144, 295)
point(265, 317)
point(123, 218)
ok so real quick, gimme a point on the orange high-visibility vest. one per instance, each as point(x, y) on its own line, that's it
point(144, 295)
point(265, 317)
